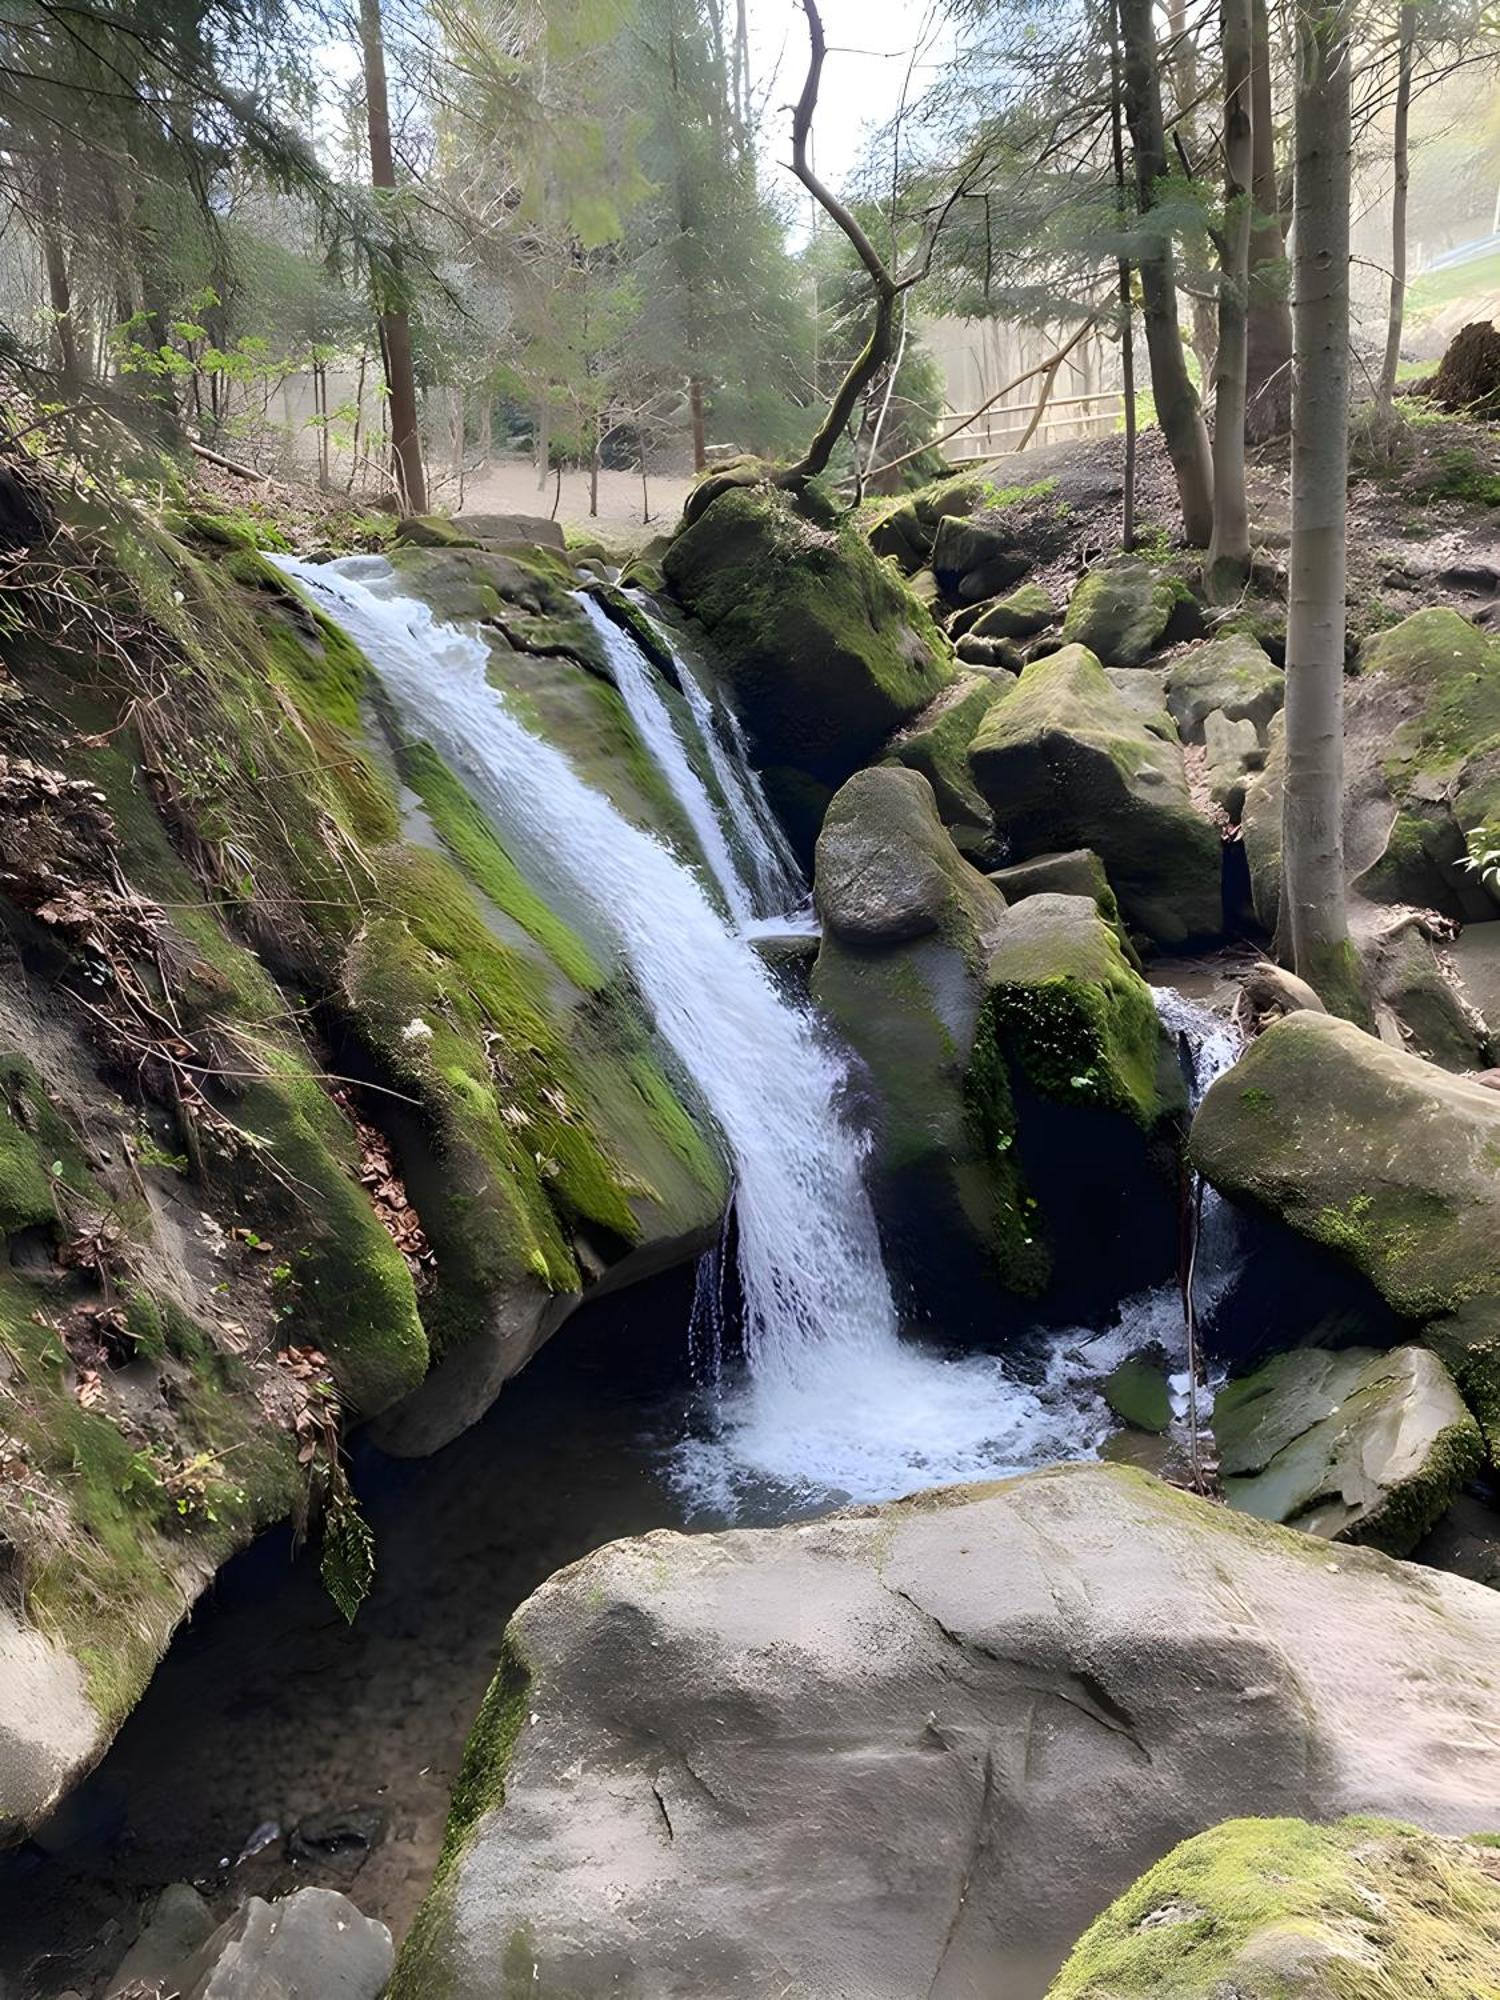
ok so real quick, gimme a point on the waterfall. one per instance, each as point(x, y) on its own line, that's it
point(778, 878)
point(832, 1401)
point(637, 682)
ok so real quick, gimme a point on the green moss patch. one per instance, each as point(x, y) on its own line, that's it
point(1276, 1909)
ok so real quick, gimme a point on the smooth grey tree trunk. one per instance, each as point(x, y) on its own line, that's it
point(395, 324)
point(1178, 410)
point(1228, 563)
point(1268, 349)
point(1314, 913)
point(1407, 37)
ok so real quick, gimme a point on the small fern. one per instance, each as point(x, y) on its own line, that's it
point(348, 1564)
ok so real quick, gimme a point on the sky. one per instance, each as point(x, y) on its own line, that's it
point(869, 47)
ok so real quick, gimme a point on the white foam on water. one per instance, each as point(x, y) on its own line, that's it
point(832, 1402)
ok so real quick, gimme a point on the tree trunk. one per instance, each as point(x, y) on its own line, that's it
point(594, 457)
point(1177, 407)
point(543, 441)
point(1268, 329)
point(1408, 35)
point(700, 446)
point(1127, 304)
point(60, 297)
point(1229, 551)
point(395, 326)
point(1314, 916)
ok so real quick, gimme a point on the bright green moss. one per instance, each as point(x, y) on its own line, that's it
point(27, 1197)
point(472, 841)
point(1381, 1911)
point(111, 1586)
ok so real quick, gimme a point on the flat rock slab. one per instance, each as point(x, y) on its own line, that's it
point(913, 1750)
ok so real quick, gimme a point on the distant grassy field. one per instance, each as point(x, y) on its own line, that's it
point(1440, 288)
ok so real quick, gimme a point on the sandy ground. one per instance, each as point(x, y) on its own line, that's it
point(508, 486)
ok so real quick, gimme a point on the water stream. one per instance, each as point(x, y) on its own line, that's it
point(832, 1402)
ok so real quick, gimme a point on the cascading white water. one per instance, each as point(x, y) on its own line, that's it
point(780, 884)
point(834, 1401)
point(633, 676)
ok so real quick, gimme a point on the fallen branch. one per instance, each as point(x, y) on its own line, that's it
point(228, 464)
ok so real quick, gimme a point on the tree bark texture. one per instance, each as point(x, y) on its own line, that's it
point(1178, 410)
point(1229, 550)
point(1313, 898)
point(1268, 329)
point(395, 326)
point(1407, 37)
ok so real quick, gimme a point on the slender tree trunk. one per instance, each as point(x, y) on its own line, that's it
point(543, 441)
point(395, 326)
point(1127, 303)
point(1268, 329)
point(60, 297)
point(1229, 551)
point(1408, 36)
point(700, 444)
point(1178, 410)
point(1314, 915)
point(1204, 318)
point(594, 457)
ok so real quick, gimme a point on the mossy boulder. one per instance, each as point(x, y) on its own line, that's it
point(1079, 872)
point(344, 1090)
point(1064, 762)
point(1081, 1667)
point(1422, 771)
point(1388, 1163)
point(907, 927)
point(972, 559)
point(1138, 1392)
point(1354, 1446)
point(937, 745)
point(1076, 1093)
point(1231, 674)
point(1279, 1909)
point(1121, 613)
point(823, 649)
point(1025, 612)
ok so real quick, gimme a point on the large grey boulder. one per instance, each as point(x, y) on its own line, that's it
point(911, 1749)
point(823, 649)
point(908, 926)
point(1281, 1910)
point(1121, 613)
point(1385, 1161)
point(313, 1945)
point(1064, 761)
point(937, 745)
point(1231, 675)
point(1354, 1446)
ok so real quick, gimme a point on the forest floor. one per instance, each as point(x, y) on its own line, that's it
point(508, 486)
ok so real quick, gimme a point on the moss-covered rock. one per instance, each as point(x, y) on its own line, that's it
point(1385, 1161)
point(823, 649)
point(937, 745)
point(1354, 1446)
point(907, 926)
point(1121, 613)
point(1076, 1093)
point(972, 559)
point(1277, 1909)
point(1422, 771)
point(1064, 762)
point(1139, 1393)
point(1074, 1017)
point(303, 1083)
point(1077, 873)
point(1231, 674)
point(1021, 615)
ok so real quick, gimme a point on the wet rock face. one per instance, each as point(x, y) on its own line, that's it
point(894, 1752)
point(1280, 1910)
point(1353, 1446)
